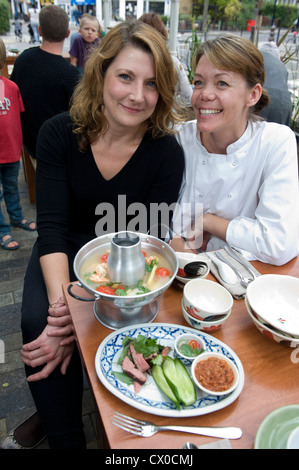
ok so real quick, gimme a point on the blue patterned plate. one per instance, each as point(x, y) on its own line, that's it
point(150, 399)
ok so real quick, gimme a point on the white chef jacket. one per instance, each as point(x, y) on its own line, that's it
point(255, 186)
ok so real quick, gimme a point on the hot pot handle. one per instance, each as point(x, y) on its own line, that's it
point(81, 298)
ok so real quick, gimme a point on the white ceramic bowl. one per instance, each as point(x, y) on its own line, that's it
point(206, 298)
point(275, 299)
point(186, 338)
point(203, 325)
point(204, 357)
point(270, 333)
point(293, 440)
point(185, 258)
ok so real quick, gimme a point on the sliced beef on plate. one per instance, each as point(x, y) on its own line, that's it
point(130, 369)
point(138, 359)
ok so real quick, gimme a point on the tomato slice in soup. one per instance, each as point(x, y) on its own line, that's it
point(162, 272)
point(106, 290)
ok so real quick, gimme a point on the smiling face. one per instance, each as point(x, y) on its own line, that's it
point(130, 93)
point(89, 31)
point(221, 100)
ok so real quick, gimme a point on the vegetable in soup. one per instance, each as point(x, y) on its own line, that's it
point(94, 273)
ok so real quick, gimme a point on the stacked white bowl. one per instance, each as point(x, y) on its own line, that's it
point(272, 301)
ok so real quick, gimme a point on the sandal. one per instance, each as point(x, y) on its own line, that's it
point(24, 225)
point(5, 243)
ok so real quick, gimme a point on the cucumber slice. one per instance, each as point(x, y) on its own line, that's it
point(179, 381)
point(159, 378)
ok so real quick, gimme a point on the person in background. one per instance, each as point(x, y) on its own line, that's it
point(18, 28)
point(184, 90)
point(116, 140)
point(34, 21)
point(45, 78)
point(242, 170)
point(89, 32)
point(11, 105)
point(276, 83)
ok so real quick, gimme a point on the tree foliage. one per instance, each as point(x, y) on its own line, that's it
point(4, 16)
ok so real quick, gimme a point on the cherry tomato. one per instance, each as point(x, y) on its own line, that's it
point(194, 344)
point(106, 290)
point(162, 272)
point(104, 258)
point(121, 287)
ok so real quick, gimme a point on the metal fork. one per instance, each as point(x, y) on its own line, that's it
point(243, 280)
point(148, 429)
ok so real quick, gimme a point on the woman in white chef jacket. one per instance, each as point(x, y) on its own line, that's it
point(241, 171)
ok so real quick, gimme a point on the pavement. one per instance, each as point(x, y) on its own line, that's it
point(16, 403)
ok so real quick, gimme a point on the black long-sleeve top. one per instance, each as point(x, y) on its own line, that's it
point(46, 82)
point(70, 187)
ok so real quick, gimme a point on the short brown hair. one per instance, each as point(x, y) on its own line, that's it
point(54, 23)
point(153, 20)
point(236, 54)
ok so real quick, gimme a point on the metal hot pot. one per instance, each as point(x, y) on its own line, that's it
point(120, 311)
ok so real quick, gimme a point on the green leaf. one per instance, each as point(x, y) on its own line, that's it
point(122, 377)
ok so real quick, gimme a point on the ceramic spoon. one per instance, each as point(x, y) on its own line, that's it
point(226, 273)
point(195, 269)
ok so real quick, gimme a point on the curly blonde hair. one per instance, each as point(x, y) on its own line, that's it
point(237, 54)
point(87, 111)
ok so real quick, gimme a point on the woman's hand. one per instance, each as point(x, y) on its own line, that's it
point(47, 349)
point(59, 317)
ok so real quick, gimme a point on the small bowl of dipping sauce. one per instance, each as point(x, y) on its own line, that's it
point(214, 373)
point(188, 346)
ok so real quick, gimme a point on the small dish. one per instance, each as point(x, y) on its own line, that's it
point(204, 325)
point(185, 258)
point(206, 298)
point(188, 347)
point(275, 299)
point(269, 331)
point(216, 368)
point(275, 429)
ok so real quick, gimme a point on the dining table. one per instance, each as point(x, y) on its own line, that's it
point(271, 372)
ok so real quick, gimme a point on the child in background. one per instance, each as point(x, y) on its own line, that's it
point(11, 105)
point(83, 44)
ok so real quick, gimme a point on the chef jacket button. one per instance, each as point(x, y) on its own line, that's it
point(234, 163)
point(203, 162)
point(229, 195)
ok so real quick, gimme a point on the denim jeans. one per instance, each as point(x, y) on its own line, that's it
point(34, 27)
point(9, 191)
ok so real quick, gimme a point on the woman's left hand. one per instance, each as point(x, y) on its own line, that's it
point(59, 318)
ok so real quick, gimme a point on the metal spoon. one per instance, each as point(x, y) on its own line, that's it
point(243, 280)
point(189, 445)
point(226, 273)
point(195, 268)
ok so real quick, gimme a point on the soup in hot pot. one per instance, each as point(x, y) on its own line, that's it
point(93, 272)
